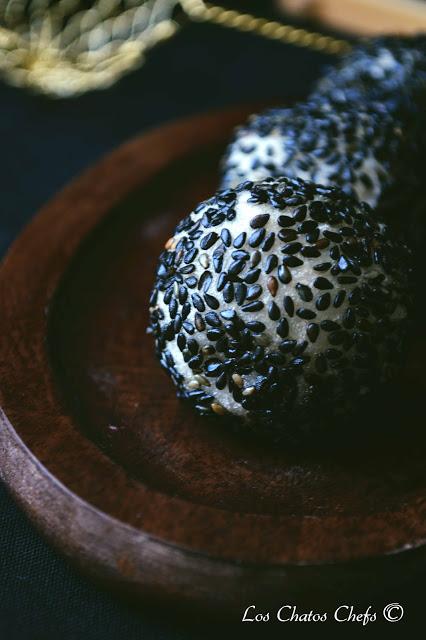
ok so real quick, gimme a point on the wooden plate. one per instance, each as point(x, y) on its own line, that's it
point(127, 481)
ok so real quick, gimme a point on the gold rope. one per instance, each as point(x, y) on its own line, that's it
point(206, 12)
point(62, 49)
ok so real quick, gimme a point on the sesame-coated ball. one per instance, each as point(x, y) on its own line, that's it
point(389, 70)
point(358, 150)
point(278, 300)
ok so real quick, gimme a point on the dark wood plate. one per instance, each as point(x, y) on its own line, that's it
point(127, 481)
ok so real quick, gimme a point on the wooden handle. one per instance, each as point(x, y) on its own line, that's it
point(367, 17)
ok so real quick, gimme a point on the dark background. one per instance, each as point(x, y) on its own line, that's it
point(43, 144)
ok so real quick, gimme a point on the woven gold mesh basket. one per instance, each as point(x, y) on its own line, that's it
point(63, 48)
point(68, 47)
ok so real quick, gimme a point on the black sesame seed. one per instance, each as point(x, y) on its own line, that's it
point(306, 314)
point(211, 301)
point(228, 314)
point(318, 211)
point(228, 292)
point(354, 266)
point(240, 293)
point(339, 298)
point(212, 319)
point(299, 361)
point(331, 235)
point(312, 331)
point(189, 327)
point(236, 267)
point(256, 238)
point(208, 240)
point(226, 237)
point(304, 292)
point(312, 237)
point(329, 325)
point(323, 302)
point(205, 281)
point(177, 323)
point(255, 258)
point(199, 322)
point(291, 248)
point(347, 231)
point(273, 311)
point(181, 341)
point(292, 261)
point(289, 306)
point(222, 381)
point(153, 297)
point(195, 362)
point(322, 266)
point(186, 310)
point(252, 276)
point(268, 242)
point(240, 240)
point(193, 346)
point(221, 281)
point(259, 221)
point(173, 307)
point(284, 274)
point(198, 302)
point(347, 279)
point(252, 306)
point(349, 318)
point(308, 226)
point(283, 328)
point(191, 282)
point(213, 368)
point(168, 295)
point(300, 213)
point(188, 268)
point(255, 326)
point(310, 252)
point(218, 261)
point(286, 221)
point(354, 297)
point(271, 263)
point(183, 294)
point(190, 255)
point(254, 292)
point(287, 346)
point(215, 334)
point(334, 253)
point(322, 283)
point(287, 235)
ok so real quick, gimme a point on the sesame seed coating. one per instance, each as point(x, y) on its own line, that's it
point(357, 149)
point(363, 129)
point(277, 342)
point(390, 71)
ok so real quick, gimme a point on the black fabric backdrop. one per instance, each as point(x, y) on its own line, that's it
point(44, 143)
